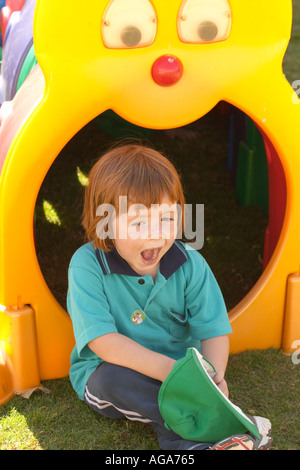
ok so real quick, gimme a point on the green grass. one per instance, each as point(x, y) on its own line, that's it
point(260, 382)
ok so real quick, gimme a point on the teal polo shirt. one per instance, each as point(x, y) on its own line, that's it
point(180, 308)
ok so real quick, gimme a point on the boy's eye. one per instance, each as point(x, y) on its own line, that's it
point(129, 24)
point(202, 21)
point(138, 223)
point(166, 221)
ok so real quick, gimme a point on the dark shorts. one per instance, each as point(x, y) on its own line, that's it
point(117, 392)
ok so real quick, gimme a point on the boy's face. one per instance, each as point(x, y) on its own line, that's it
point(144, 235)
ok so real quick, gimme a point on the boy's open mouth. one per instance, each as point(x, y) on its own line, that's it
point(151, 255)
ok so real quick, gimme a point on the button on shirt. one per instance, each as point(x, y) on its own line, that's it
point(180, 308)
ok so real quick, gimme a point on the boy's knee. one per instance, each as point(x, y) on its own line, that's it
point(107, 379)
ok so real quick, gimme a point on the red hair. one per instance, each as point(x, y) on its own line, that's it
point(140, 173)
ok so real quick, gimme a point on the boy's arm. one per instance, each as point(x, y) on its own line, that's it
point(120, 350)
point(216, 351)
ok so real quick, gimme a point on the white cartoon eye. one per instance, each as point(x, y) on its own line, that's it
point(202, 21)
point(129, 24)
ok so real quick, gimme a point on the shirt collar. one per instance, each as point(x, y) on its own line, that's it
point(112, 263)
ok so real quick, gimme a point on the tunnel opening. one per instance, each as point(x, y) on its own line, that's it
point(207, 154)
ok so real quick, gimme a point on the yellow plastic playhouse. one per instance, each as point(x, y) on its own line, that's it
point(159, 65)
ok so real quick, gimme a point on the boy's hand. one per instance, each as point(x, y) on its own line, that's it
point(221, 382)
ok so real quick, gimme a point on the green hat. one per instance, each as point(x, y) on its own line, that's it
point(194, 407)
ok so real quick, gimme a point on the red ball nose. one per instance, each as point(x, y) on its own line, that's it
point(167, 70)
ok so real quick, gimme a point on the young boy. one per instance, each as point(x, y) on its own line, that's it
point(138, 298)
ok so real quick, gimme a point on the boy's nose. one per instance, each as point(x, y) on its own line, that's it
point(159, 231)
point(154, 231)
point(167, 70)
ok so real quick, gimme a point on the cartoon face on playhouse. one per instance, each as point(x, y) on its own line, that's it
point(156, 65)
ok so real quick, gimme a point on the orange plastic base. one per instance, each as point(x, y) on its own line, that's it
point(6, 378)
point(291, 328)
point(19, 369)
